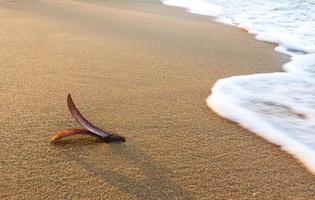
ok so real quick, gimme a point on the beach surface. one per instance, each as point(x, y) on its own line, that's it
point(143, 70)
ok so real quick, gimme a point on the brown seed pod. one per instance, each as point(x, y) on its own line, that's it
point(89, 128)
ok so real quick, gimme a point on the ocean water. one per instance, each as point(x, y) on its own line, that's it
point(280, 106)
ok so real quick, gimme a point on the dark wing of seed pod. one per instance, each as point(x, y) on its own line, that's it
point(84, 122)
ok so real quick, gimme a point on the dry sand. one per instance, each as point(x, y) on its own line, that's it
point(143, 70)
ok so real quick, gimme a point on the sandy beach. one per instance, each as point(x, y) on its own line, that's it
point(143, 70)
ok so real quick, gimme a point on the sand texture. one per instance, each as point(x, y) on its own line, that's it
point(143, 70)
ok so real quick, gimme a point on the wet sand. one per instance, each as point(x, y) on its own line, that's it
point(143, 70)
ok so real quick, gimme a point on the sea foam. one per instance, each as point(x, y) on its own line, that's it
point(279, 107)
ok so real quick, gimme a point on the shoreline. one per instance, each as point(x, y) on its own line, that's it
point(143, 70)
point(224, 89)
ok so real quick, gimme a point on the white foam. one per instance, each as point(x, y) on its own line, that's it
point(201, 7)
point(279, 107)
